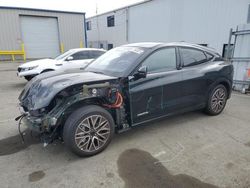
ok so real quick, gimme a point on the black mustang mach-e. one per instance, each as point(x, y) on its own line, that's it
point(127, 86)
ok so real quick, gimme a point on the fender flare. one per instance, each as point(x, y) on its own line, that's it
point(62, 110)
point(223, 81)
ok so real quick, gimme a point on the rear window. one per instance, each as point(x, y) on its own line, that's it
point(191, 57)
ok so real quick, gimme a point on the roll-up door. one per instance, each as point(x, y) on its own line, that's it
point(40, 36)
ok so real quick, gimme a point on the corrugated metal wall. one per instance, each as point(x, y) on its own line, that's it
point(71, 28)
point(113, 35)
point(196, 21)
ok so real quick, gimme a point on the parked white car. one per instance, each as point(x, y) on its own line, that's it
point(72, 59)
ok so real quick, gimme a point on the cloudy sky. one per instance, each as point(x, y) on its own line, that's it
point(88, 6)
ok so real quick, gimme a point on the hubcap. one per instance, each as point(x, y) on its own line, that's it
point(218, 100)
point(92, 133)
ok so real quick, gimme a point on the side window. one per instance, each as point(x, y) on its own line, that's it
point(80, 55)
point(192, 57)
point(161, 60)
point(95, 54)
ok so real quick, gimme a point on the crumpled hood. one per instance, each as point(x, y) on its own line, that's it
point(39, 92)
point(38, 62)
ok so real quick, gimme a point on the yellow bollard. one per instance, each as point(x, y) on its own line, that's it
point(81, 44)
point(62, 47)
point(23, 50)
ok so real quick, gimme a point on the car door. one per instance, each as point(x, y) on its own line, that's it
point(194, 80)
point(79, 60)
point(150, 97)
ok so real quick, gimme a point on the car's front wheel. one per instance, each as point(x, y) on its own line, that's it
point(88, 130)
point(217, 100)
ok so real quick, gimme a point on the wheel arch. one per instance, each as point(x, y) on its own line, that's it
point(224, 82)
point(74, 121)
point(84, 102)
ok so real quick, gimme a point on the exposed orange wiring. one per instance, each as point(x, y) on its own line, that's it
point(118, 102)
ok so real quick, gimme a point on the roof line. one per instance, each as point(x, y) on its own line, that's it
point(128, 6)
point(44, 10)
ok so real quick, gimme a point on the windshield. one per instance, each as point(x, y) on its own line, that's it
point(115, 62)
point(62, 56)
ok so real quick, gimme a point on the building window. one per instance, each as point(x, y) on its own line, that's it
point(248, 16)
point(111, 21)
point(88, 25)
point(110, 46)
point(101, 45)
point(227, 52)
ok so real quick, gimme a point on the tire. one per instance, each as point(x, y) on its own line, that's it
point(217, 100)
point(28, 78)
point(85, 141)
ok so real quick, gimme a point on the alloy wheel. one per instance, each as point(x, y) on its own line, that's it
point(92, 133)
point(218, 100)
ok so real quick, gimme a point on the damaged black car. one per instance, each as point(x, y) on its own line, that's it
point(127, 86)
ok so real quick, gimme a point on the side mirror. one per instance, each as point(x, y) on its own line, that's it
point(141, 72)
point(70, 58)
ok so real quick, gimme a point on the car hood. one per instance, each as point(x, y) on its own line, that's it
point(39, 92)
point(38, 62)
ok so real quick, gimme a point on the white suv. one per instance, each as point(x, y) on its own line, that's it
point(72, 59)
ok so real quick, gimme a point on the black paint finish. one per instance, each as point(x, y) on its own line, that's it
point(159, 94)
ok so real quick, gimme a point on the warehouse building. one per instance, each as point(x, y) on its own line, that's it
point(36, 33)
point(205, 22)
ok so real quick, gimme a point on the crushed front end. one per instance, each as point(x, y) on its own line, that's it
point(45, 107)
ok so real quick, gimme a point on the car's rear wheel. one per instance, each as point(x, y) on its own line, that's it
point(217, 100)
point(88, 130)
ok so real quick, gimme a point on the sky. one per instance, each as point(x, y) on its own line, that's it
point(87, 6)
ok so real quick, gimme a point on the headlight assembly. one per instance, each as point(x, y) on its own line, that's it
point(30, 68)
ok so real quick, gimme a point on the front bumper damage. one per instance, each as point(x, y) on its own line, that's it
point(48, 123)
point(40, 125)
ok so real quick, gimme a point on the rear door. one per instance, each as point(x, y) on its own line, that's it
point(194, 80)
point(151, 97)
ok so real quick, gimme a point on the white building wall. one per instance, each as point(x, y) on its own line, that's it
point(196, 21)
point(100, 33)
